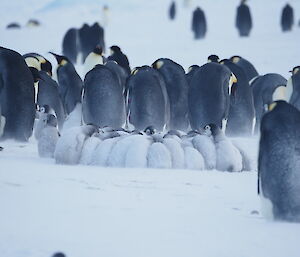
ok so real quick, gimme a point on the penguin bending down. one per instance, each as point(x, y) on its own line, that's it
point(16, 96)
point(228, 157)
point(199, 26)
point(94, 58)
point(247, 66)
point(118, 56)
point(103, 102)
point(177, 89)
point(266, 89)
point(241, 112)
point(145, 99)
point(243, 21)
point(69, 145)
point(209, 95)
point(70, 83)
point(39, 62)
point(70, 45)
point(48, 137)
point(293, 88)
point(13, 25)
point(287, 18)
point(278, 162)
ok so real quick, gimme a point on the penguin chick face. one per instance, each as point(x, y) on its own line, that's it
point(51, 120)
point(212, 130)
point(150, 130)
point(213, 58)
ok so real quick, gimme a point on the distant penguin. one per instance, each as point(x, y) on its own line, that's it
point(70, 45)
point(103, 103)
point(287, 18)
point(293, 88)
point(83, 36)
point(209, 95)
point(145, 99)
point(118, 56)
point(241, 112)
point(278, 162)
point(94, 58)
point(105, 16)
point(191, 71)
point(177, 88)
point(40, 123)
point(48, 137)
point(16, 96)
point(199, 26)
point(59, 254)
point(70, 83)
point(33, 23)
point(228, 157)
point(172, 10)
point(69, 146)
point(13, 25)
point(243, 21)
point(266, 89)
point(247, 66)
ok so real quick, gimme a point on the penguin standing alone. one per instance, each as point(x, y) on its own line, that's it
point(243, 21)
point(199, 26)
point(287, 18)
point(279, 162)
point(172, 10)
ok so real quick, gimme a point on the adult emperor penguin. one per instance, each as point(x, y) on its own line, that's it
point(247, 66)
point(266, 89)
point(145, 99)
point(70, 44)
point(94, 58)
point(39, 62)
point(293, 88)
point(199, 26)
point(48, 137)
point(16, 95)
point(118, 56)
point(209, 95)
point(177, 88)
point(287, 18)
point(119, 71)
point(228, 157)
point(243, 21)
point(278, 162)
point(13, 25)
point(172, 10)
point(103, 103)
point(241, 112)
point(83, 36)
point(191, 71)
point(213, 58)
point(70, 83)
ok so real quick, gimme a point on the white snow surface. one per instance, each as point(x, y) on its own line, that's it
point(94, 211)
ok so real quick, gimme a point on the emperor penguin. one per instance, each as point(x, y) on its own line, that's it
point(293, 88)
point(103, 103)
point(146, 103)
point(172, 10)
point(287, 18)
point(199, 26)
point(33, 23)
point(243, 21)
point(70, 45)
point(16, 96)
point(266, 89)
point(246, 65)
point(70, 83)
point(241, 115)
point(209, 95)
point(213, 58)
point(119, 71)
point(48, 137)
point(278, 162)
point(191, 71)
point(228, 157)
point(13, 25)
point(39, 62)
point(117, 55)
point(43, 112)
point(94, 58)
point(83, 36)
point(177, 89)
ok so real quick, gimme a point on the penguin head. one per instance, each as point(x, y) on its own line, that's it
point(150, 130)
point(51, 120)
point(232, 80)
point(213, 58)
point(192, 68)
point(158, 64)
point(114, 49)
point(295, 70)
point(47, 67)
point(98, 50)
point(235, 58)
point(61, 60)
point(35, 74)
point(173, 132)
point(212, 130)
point(32, 61)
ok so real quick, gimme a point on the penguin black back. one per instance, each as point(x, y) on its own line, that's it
point(287, 18)
point(243, 20)
point(172, 10)
point(70, 45)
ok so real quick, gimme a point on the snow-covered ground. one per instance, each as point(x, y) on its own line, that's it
point(94, 211)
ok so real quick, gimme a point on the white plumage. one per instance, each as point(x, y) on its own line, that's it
point(159, 156)
point(176, 151)
point(193, 159)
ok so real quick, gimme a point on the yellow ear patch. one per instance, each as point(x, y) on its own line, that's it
point(233, 78)
point(272, 106)
point(134, 71)
point(63, 62)
point(236, 59)
point(33, 62)
point(190, 69)
point(159, 64)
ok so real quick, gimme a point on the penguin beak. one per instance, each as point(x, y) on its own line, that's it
point(233, 78)
point(60, 59)
point(272, 106)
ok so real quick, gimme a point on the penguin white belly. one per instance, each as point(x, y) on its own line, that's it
point(206, 147)
point(47, 142)
point(228, 157)
point(289, 89)
point(39, 125)
point(193, 159)
point(136, 156)
point(159, 156)
point(176, 151)
point(88, 149)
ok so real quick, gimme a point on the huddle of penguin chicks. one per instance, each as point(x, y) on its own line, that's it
point(199, 150)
